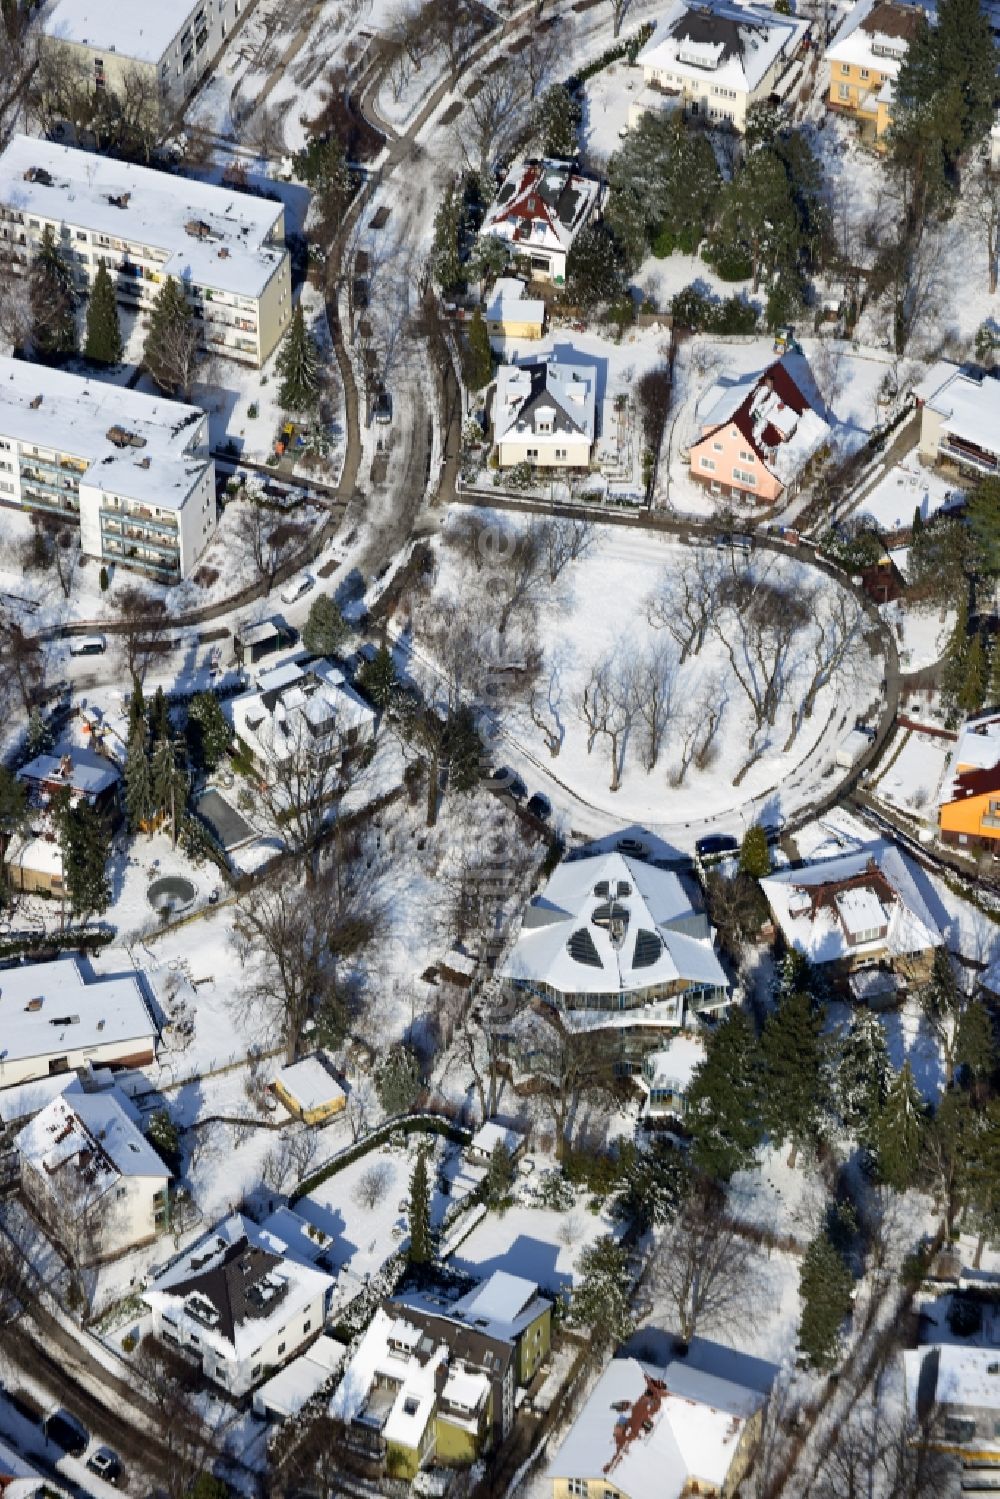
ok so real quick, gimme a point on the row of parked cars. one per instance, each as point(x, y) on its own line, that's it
point(506, 782)
point(68, 1434)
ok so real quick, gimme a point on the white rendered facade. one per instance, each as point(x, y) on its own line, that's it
point(168, 46)
point(226, 249)
point(132, 471)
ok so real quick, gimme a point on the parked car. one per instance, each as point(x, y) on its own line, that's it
point(296, 588)
point(539, 806)
point(502, 778)
point(383, 408)
point(88, 645)
point(106, 1464)
point(716, 843)
point(63, 1428)
point(632, 848)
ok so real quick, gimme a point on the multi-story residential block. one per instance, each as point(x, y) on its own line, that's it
point(52, 1020)
point(615, 951)
point(718, 59)
point(225, 249)
point(759, 431)
point(132, 471)
point(960, 419)
point(160, 50)
point(538, 213)
point(969, 807)
point(544, 414)
point(238, 1305)
point(864, 60)
point(434, 1378)
point(91, 1174)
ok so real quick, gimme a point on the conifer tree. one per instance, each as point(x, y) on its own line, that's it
point(421, 1246)
point(499, 1175)
point(983, 1172)
point(755, 856)
point(975, 1046)
point(169, 783)
point(159, 717)
point(982, 511)
point(104, 337)
point(863, 1074)
point(972, 691)
point(899, 1132)
point(84, 844)
point(724, 1101)
point(377, 678)
point(480, 365)
point(53, 300)
point(138, 780)
point(171, 341)
point(325, 630)
point(136, 709)
point(208, 733)
point(993, 694)
point(446, 260)
point(794, 1054)
point(601, 1300)
point(298, 366)
point(825, 1288)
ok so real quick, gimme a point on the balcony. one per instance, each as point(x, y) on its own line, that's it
point(165, 526)
point(33, 501)
point(131, 557)
point(124, 535)
point(967, 455)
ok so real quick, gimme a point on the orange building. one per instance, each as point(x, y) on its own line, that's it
point(864, 60)
point(969, 811)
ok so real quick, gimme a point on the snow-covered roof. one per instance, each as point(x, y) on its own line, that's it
point(819, 905)
point(652, 1431)
point(48, 1008)
point(777, 409)
point(309, 1084)
point(235, 1287)
point(674, 1065)
point(501, 1302)
point(84, 772)
point(286, 1392)
point(21, 1101)
point(293, 701)
point(609, 922)
point(399, 1352)
point(508, 302)
point(132, 444)
point(968, 1376)
point(142, 32)
point(493, 1133)
point(974, 764)
point(728, 45)
point(35, 855)
point(209, 236)
point(968, 403)
point(541, 205)
point(92, 1138)
point(546, 394)
point(876, 34)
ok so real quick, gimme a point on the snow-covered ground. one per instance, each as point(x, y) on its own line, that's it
point(904, 490)
point(541, 1244)
point(914, 766)
point(922, 632)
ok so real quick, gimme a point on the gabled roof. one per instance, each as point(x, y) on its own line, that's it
point(877, 34)
point(84, 772)
point(974, 763)
point(541, 204)
point(89, 1138)
point(566, 392)
point(732, 44)
point(610, 922)
point(777, 410)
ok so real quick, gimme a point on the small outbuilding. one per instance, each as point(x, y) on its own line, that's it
point(491, 1134)
point(285, 1393)
point(309, 1091)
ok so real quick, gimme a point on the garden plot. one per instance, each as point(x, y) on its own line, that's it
point(922, 632)
point(612, 619)
point(912, 777)
point(540, 1244)
point(905, 490)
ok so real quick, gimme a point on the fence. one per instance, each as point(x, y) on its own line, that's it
point(407, 1124)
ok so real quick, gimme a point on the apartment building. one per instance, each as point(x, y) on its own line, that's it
point(226, 249)
point(166, 49)
point(131, 471)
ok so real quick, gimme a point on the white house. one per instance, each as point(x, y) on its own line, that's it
point(226, 249)
point(489, 1135)
point(960, 419)
point(132, 472)
point(544, 414)
point(961, 1384)
point(612, 943)
point(647, 1432)
point(52, 1020)
point(92, 1175)
point(538, 213)
point(718, 58)
point(238, 1304)
point(164, 50)
point(299, 705)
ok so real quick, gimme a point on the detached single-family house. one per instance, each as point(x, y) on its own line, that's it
point(648, 1432)
point(959, 1384)
point(614, 945)
point(300, 706)
point(435, 1377)
point(718, 58)
point(864, 60)
point(92, 1176)
point(545, 414)
point(511, 314)
point(960, 419)
point(52, 1020)
point(238, 1305)
point(88, 776)
point(309, 1091)
point(969, 812)
point(857, 911)
point(757, 432)
point(538, 213)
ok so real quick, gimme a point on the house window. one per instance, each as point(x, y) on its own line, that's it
point(577, 1486)
point(717, 447)
point(255, 1371)
point(306, 1325)
point(708, 463)
point(864, 73)
point(743, 476)
point(532, 452)
point(121, 1192)
point(843, 92)
point(560, 452)
point(746, 457)
point(845, 67)
point(281, 1347)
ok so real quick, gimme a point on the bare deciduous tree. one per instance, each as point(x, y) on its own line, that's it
point(373, 1184)
point(705, 1267)
point(684, 601)
point(24, 659)
point(268, 538)
point(655, 683)
point(143, 624)
point(494, 118)
point(566, 540)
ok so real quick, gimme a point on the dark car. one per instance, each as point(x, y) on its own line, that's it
point(383, 408)
point(106, 1464)
point(502, 778)
point(539, 806)
point(716, 843)
point(67, 1432)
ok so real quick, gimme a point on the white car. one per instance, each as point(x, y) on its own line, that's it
point(296, 588)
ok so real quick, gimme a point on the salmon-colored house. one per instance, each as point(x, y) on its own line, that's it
point(758, 432)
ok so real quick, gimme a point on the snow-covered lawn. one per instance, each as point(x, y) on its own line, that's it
point(913, 773)
point(908, 487)
point(541, 1244)
point(922, 632)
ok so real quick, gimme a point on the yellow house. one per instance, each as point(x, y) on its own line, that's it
point(969, 811)
point(308, 1091)
point(864, 59)
point(667, 1432)
point(510, 314)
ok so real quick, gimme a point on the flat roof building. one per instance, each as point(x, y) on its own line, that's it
point(225, 248)
point(53, 1020)
point(132, 471)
